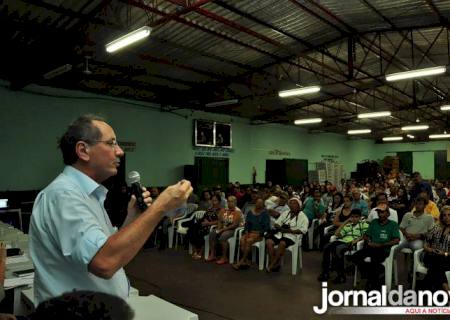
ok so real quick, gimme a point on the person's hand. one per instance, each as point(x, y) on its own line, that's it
point(219, 231)
point(6, 316)
point(132, 204)
point(174, 196)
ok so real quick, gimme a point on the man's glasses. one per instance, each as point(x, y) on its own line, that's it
point(112, 143)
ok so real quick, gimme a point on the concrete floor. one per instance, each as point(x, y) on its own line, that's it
point(219, 292)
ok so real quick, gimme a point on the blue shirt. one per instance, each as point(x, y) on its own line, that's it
point(361, 205)
point(313, 209)
point(68, 226)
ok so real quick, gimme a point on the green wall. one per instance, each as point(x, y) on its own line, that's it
point(423, 154)
point(34, 118)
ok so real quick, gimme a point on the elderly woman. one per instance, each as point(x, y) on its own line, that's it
point(437, 252)
point(257, 222)
point(229, 219)
point(289, 226)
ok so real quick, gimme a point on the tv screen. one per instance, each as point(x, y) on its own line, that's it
point(223, 135)
point(204, 133)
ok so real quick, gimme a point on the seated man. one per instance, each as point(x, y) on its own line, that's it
point(314, 208)
point(288, 227)
point(430, 207)
point(382, 203)
point(359, 203)
point(415, 225)
point(348, 234)
point(379, 238)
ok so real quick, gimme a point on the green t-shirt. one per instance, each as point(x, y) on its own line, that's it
point(351, 232)
point(382, 233)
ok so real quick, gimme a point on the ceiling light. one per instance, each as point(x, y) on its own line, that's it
point(298, 91)
point(392, 138)
point(418, 127)
point(446, 107)
point(58, 71)
point(439, 136)
point(221, 103)
point(410, 136)
point(374, 114)
point(128, 39)
point(307, 121)
point(359, 131)
point(415, 73)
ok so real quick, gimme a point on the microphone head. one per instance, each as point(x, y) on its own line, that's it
point(133, 177)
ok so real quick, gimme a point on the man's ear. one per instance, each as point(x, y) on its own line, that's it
point(82, 149)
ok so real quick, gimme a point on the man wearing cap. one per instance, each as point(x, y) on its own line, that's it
point(379, 238)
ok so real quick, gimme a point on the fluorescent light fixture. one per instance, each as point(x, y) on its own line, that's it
point(374, 114)
point(307, 121)
point(58, 71)
point(415, 73)
point(298, 91)
point(359, 131)
point(446, 107)
point(418, 127)
point(410, 136)
point(128, 39)
point(221, 103)
point(439, 136)
point(392, 138)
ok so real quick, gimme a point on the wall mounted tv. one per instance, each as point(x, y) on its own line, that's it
point(212, 134)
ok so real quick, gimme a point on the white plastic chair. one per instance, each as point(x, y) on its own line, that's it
point(296, 252)
point(232, 243)
point(314, 224)
point(418, 266)
point(261, 247)
point(405, 251)
point(388, 268)
point(190, 208)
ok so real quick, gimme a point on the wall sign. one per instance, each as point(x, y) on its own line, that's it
point(212, 152)
point(277, 152)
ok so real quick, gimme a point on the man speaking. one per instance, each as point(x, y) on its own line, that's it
point(73, 244)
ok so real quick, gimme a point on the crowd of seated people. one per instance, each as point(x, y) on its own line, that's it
point(374, 211)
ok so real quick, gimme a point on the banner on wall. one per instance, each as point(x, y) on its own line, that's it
point(212, 153)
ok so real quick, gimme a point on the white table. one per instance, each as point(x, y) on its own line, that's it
point(154, 308)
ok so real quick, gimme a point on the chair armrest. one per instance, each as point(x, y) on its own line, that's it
point(179, 222)
point(333, 239)
point(417, 254)
point(326, 230)
point(359, 245)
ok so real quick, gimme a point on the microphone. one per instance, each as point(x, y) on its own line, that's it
point(134, 180)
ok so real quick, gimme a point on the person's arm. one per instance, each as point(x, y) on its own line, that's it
point(337, 233)
point(122, 246)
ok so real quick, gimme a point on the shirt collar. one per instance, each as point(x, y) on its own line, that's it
point(86, 183)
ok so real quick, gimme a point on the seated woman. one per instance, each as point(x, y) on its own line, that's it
point(229, 219)
point(437, 252)
point(257, 222)
point(332, 211)
point(205, 200)
point(200, 228)
point(289, 226)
